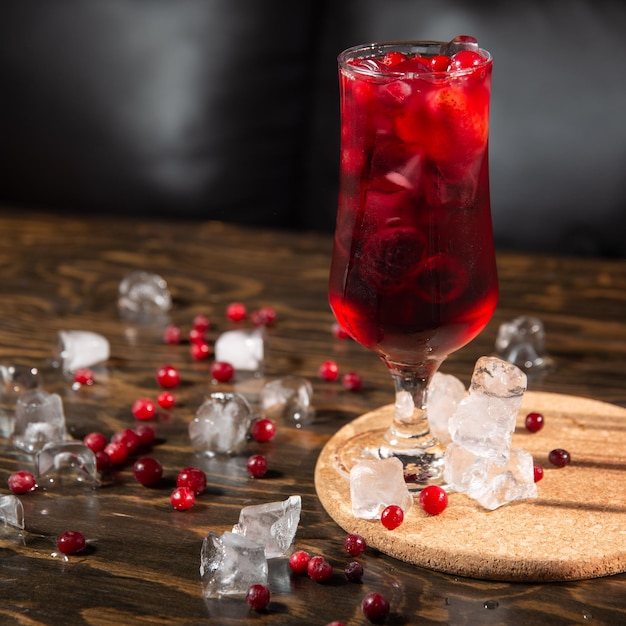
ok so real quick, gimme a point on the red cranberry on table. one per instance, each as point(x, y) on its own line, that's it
point(433, 499)
point(192, 477)
point(354, 572)
point(263, 429)
point(354, 544)
point(559, 457)
point(319, 569)
point(21, 482)
point(222, 371)
point(392, 516)
point(182, 498)
point(257, 466)
point(147, 471)
point(70, 542)
point(375, 607)
point(299, 562)
point(534, 422)
point(258, 597)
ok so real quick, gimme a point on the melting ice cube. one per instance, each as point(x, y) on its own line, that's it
point(522, 342)
point(12, 512)
point(14, 381)
point(491, 484)
point(289, 398)
point(66, 464)
point(273, 525)
point(81, 348)
point(39, 419)
point(377, 483)
point(484, 421)
point(444, 394)
point(230, 563)
point(143, 295)
point(243, 349)
point(221, 424)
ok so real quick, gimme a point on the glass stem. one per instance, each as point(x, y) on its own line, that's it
point(410, 426)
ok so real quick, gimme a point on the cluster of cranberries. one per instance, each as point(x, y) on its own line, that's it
point(329, 372)
point(374, 605)
point(558, 457)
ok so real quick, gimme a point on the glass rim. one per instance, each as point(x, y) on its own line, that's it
point(402, 45)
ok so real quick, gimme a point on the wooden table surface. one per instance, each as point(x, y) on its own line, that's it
point(142, 565)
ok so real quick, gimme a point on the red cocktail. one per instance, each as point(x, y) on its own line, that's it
point(413, 274)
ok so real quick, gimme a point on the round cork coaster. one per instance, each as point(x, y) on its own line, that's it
point(574, 529)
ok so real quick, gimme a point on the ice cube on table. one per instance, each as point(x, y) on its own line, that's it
point(65, 464)
point(230, 563)
point(11, 512)
point(377, 483)
point(39, 419)
point(288, 398)
point(81, 348)
point(14, 381)
point(490, 483)
point(521, 341)
point(221, 424)
point(143, 295)
point(273, 525)
point(243, 349)
point(444, 394)
point(484, 421)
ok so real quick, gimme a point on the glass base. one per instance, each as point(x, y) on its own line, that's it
point(422, 460)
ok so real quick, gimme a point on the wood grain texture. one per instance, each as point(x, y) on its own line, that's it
point(142, 567)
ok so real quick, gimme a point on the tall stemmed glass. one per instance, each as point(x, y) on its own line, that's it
point(413, 275)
